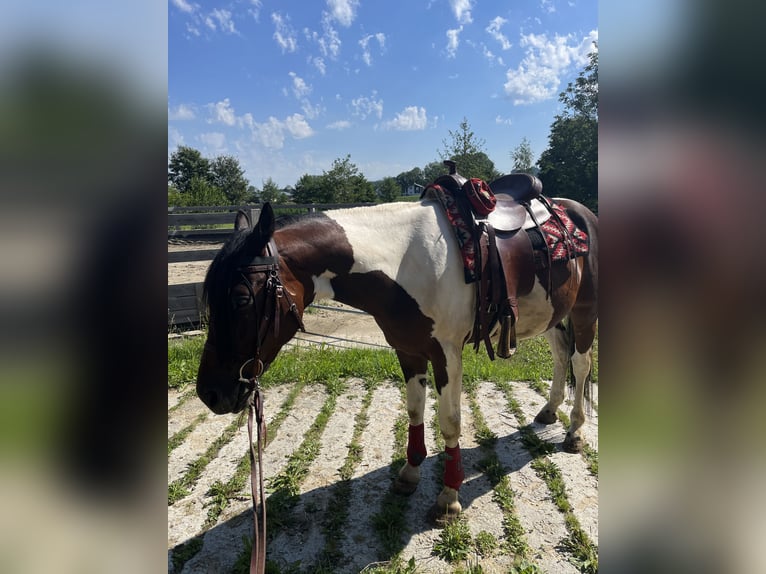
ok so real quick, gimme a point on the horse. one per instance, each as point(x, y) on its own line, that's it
point(400, 263)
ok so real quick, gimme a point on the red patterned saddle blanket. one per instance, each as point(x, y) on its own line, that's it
point(563, 240)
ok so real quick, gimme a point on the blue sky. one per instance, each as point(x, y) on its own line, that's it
point(288, 86)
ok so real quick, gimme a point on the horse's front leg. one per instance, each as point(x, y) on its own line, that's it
point(415, 373)
point(449, 377)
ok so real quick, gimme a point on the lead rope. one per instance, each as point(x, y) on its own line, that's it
point(258, 550)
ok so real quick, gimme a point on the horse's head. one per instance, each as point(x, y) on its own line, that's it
point(254, 308)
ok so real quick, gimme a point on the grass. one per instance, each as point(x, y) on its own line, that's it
point(183, 361)
point(179, 437)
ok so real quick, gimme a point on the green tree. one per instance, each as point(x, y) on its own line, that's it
point(185, 164)
point(227, 175)
point(408, 178)
point(523, 158)
point(272, 193)
point(433, 170)
point(311, 189)
point(347, 183)
point(466, 150)
point(569, 167)
point(389, 189)
point(202, 192)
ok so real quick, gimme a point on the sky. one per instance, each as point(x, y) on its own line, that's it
point(288, 86)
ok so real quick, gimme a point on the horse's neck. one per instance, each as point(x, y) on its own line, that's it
point(351, 243)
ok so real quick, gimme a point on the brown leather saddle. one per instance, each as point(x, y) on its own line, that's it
point(506, 264)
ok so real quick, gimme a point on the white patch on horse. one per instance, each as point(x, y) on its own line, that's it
point(322, 286)
point(414, 245)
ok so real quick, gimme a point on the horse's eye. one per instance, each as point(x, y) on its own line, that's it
point(240, 301)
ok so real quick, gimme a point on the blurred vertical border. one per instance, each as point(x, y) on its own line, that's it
point(83, 156)
point(681, 189)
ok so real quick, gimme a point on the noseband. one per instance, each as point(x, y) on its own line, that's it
point(278, 299)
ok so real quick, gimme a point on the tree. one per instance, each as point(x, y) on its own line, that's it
point(433, 170)
point(185, 164)
point(347, 183)
point(389, 189)
point(272, 193)
point(227, 175)
point(569, 167)
point(310, 189)
point(408, 178)
point(465, 149)
point(523, 159)
point(202, 192)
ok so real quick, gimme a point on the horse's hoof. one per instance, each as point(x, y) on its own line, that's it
point(441, 517)
point(405, 487)
point(407, 480)
point(573, 444)
point(546, 417)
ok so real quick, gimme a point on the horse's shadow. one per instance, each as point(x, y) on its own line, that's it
point(297, 538)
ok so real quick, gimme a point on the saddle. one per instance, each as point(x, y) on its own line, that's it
point(505, 262)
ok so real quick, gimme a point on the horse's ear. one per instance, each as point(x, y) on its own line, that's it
point(265, 225)
point(242, 221)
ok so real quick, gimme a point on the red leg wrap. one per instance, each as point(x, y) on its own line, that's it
point(453, 468)
point(416, 446)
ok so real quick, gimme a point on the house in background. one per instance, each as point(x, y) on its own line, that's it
point(414, 189)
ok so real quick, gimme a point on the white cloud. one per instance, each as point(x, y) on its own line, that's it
point(225, 23)
point(453, 41)
point(184, 6)
point(547, 6)
point(181, 112)
point(284, 33)
point(298, 127)
point(364, 43)
point(175, 138)
point(272, 133)
point(364, 106)
point(538, 76)
point(256, 9)
point(494, 30)
point(215, 141)
point(410, 118)
point(222, 112)
point(344, 11)
point(462, 11)
point(300, 87)
point(501, 120)
point(487, 53)
point(319, 65)
point(339, 125)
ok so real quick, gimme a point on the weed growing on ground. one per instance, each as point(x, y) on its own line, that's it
point(454, 543)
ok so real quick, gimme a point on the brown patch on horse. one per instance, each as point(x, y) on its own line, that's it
point(397, 314)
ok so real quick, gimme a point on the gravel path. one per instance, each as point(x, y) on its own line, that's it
point(301, 544)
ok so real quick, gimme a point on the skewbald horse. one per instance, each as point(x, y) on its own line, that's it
point(400, 263)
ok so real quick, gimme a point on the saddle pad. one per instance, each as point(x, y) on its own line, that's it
point(566, 243)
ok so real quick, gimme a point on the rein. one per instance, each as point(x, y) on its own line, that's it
point(281, 298)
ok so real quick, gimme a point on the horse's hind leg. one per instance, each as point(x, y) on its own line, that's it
point(415, 373)
point(559, 340)
point(582, 360)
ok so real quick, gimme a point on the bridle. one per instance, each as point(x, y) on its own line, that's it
point(278, 299)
